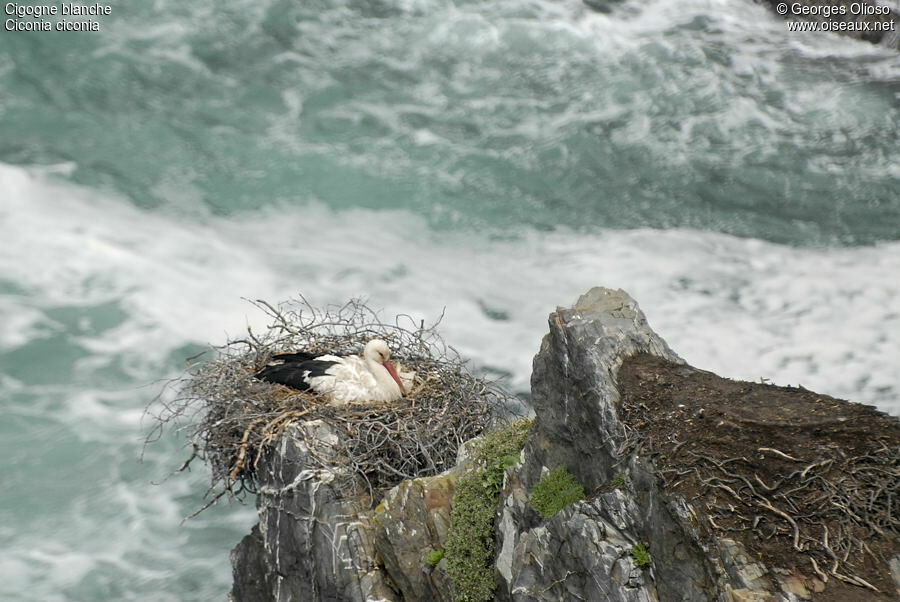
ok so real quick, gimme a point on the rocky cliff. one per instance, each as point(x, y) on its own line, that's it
point(689, 487)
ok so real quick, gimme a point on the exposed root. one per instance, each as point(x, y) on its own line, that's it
point(837, 511)
point(779, 453)
point(820, 495)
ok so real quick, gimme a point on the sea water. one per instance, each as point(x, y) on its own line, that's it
point(489, 160)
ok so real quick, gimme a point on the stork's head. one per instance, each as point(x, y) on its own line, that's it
point(378, 351)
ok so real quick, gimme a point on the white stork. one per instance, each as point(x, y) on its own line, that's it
point(341, 380)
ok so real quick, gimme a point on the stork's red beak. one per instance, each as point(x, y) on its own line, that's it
point(390, 368)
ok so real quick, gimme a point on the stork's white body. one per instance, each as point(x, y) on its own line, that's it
point(353, 379)
point(341, 380)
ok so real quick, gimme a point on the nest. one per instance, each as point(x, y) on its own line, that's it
point(233, 418)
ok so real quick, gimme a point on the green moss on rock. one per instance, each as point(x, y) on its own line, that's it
point(556, 490)
point(640, 555)
point(470, 540)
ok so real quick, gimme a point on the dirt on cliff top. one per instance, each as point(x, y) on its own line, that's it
point(808, 483)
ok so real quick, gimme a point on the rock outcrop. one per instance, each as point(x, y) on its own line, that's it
point(577, 426)
point(315, 539)
point(319, 538)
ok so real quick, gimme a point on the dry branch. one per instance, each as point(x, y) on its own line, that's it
point(231, 418)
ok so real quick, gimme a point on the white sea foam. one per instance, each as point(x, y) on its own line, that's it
point(742, 307)
point(125, 535)
point(79, 517)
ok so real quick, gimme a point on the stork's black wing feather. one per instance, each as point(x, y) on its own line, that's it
point(295, 373)
point(297, 357)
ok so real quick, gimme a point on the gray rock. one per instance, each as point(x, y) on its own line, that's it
point(895, 572)
point(252, 577)
point(313, 541)
point(319, 539)
point(413, 520)
point(584, 552)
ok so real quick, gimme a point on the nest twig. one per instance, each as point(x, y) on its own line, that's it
point(232, 418)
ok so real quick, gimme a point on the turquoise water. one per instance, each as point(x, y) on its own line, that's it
point(492, 158)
